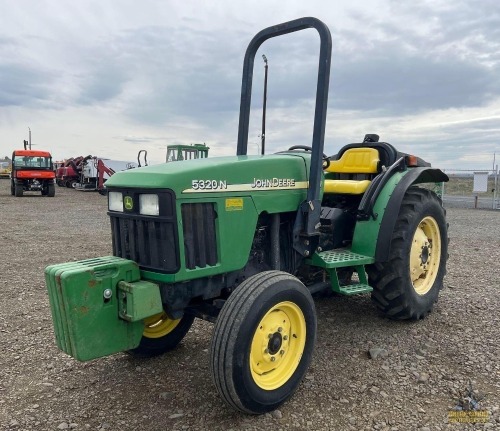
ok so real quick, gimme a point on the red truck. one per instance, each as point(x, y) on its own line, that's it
point(32, 171)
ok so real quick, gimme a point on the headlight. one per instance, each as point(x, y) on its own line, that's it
point(148, 205)
point(115, 201)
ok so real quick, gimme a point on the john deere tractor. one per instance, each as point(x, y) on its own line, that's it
point(178, 152)
point(245, 241)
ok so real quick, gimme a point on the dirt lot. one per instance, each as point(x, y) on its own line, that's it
point(424, 367)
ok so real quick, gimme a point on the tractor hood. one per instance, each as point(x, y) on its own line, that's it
point(234, 174)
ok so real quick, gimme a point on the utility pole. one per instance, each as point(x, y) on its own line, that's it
point(263, 134)
point(29, 139)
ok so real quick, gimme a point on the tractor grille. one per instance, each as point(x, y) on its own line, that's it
point(199, 234)
point(151, 241)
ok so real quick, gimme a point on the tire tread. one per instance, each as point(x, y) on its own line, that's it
point(388, 278)
point(224, 338)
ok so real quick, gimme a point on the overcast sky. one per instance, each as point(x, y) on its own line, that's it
point(110, 78)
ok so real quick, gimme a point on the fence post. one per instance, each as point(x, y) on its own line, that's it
point(496, 205)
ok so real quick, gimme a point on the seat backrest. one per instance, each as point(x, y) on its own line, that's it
point(356, 161)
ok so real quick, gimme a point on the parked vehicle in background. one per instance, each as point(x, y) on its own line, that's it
point(5, 169)
point(68, 174)
point(32, 171)
point(177, 153)
point(95, 172)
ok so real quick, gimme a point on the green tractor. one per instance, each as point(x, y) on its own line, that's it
point(176, 153)
point(245, 241)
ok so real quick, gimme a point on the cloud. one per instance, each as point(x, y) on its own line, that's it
point(139, 139)
point(400, 84)
point(104, 83)
point(23, 83)
point(23, 86)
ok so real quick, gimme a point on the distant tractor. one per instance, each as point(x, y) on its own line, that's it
point(32, 171)
point(244, 242)
point(177, 153)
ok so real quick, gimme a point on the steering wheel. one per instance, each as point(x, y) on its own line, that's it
point(326, 160)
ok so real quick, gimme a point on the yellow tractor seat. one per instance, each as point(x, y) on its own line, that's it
point(347, 187)
point(356, 161)
point(353, 161)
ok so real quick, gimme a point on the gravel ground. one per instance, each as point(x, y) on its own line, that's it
point(422, 369)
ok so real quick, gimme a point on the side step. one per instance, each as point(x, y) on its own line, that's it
point(343, 258)
point(353, 289)
point(339, 258)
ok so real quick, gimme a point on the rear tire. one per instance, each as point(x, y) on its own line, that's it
point(161, 335)
point(12, 188)
point(408, 284)
point(263, 342)
point(18, 190)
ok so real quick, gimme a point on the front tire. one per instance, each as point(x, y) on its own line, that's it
point(263, 342)
point(51, 190)
point(162, 334)
point(408, 284)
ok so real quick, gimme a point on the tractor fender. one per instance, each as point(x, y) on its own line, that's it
point(414, 176)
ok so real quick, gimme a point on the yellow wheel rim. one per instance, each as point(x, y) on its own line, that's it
point(425, 255)
point(277, 345)
point(159, 325)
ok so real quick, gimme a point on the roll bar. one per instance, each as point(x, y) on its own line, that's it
point(308, 216)
point(139, 158)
